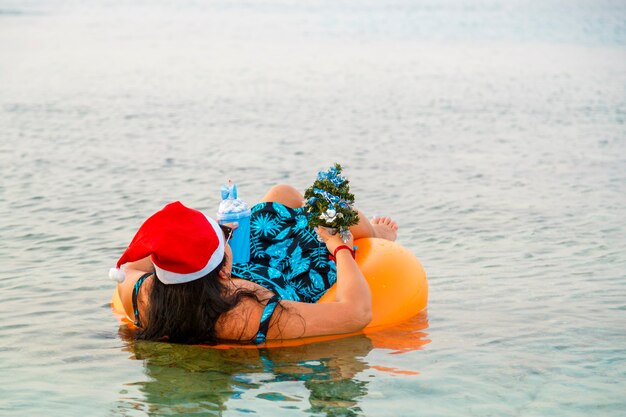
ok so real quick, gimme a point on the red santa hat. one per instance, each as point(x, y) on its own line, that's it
point(183, 244)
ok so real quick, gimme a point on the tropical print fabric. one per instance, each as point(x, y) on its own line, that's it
point(285, 255)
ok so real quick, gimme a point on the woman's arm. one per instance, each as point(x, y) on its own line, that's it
point(144, 265)
point(134, 271)
point(351, 311)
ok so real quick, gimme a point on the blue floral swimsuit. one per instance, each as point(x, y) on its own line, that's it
point(285, 257)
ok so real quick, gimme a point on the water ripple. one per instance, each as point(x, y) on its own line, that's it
point(494, 134)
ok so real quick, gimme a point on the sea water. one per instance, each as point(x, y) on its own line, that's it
point(493, 131)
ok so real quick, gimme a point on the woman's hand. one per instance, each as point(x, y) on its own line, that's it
point(333, 241)
point(232, 225)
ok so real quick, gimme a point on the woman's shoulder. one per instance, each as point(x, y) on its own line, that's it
point(125, 290)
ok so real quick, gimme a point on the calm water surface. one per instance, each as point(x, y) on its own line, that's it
point(493, 131)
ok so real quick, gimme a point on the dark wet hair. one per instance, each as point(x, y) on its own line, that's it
point(188, 312)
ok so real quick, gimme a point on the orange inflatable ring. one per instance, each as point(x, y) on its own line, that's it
point(395, 277)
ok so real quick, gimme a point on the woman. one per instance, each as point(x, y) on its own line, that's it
point(181, 285)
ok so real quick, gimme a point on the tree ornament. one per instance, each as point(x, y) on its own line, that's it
point(330, 203)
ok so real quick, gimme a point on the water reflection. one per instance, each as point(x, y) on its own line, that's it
point(319, 378)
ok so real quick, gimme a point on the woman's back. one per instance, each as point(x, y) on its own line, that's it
point(193, 297)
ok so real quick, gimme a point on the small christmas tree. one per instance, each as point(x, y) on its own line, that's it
point(329, 202)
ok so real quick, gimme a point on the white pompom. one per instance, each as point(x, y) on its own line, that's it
point(117, 274)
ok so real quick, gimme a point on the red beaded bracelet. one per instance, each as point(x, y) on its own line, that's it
point(333, 257)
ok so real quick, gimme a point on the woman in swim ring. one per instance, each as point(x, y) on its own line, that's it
point(181, 285)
